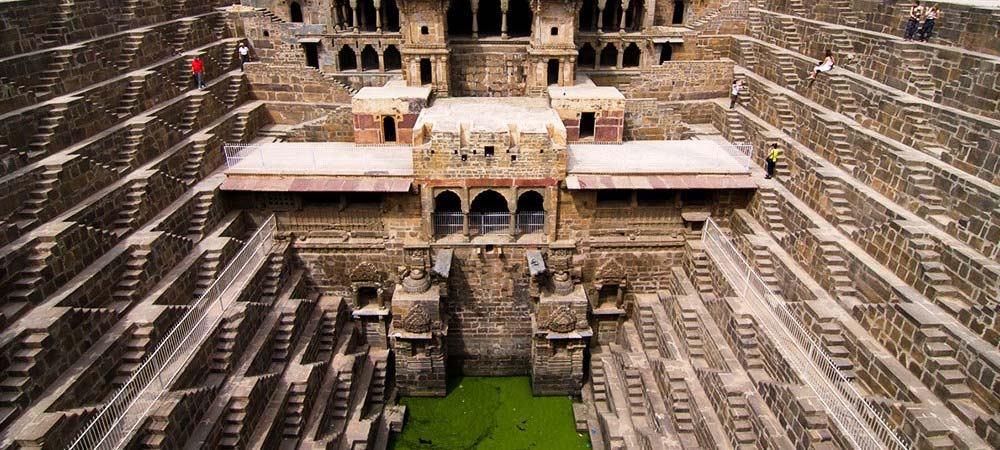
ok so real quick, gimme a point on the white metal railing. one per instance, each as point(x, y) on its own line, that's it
point(856, 418)
point(236, 153)
point(742, 151)
point(446, 223)
point(489, 222)
point(129, 406)
point(530, 221)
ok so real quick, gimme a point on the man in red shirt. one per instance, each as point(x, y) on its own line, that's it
point(198, 68)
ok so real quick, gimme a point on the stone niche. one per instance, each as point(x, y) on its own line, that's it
point(561, 333)
point(368, 302)
point(386, 115)
point(589, 112)
point(607, 300)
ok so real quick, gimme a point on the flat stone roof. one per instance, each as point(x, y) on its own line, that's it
point(393, 89)
point(585, 91)
point(490, 114)
point(655, 158)
point(321, 158)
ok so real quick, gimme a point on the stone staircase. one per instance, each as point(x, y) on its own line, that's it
point(135, 352)
point(797, 8)
point(921, 83)
point(133, 141)
point(190, 116)
point(232, 423)
point(130, 99)
point(31, 276)
point(377, 389)
point(764, 264)
point(179, 40)
point(846, 12)
point(39, 145)
point(130, 49)
point(281, 345)
point(17, 377)
point(272, 278)
point(786, 68)
point(239, 127)
point(841, 208)
point(294, 408)
point(748, 53)
point(193, 165)
point(680, 404)
point(735, 126)
point(342, 397)
point(842, 95)
point(784, 111)
point(50, 80)
point(772, 214)
point(34, 205)
point(132, 205)
point(842, 150)
point(233, 91)
point(270, 15)
point(702, 276)
point(134, 275)
point(635, 391)
point(921, 183)
point(599, 382)
point(225, 343)
point(58, 29)
point(791, 33)
point(200, 215)
point(831, 336)
point(835, 264)
point(127, 14)
point(647, 327)
point(210, 266)
point(746, 332)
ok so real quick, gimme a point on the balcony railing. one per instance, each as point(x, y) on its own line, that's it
point(116, 422)
point(530, 222)
point(446, 223)
point(856, 418)
point(489, 223)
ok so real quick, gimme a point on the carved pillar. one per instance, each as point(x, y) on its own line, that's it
point(419, 328)
point(560, 333)
point(354, 17)
point(621, 56)
point(475, 18)
point(378, 15)
point(504, 5)
point(357, 57)
point(600, 16)
point(381, 60)
point(338, 23)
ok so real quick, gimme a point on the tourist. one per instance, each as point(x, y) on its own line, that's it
point(772, 160)
point(244, 55)
point(198, 68)
point(824, 66)
point(932, 15)
point(734, 93)
point(916, 13)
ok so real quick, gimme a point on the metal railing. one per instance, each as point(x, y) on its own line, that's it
point(129, 406)
point(856, 418)
point(489, 222)
point(446, 223)
point(742, 151)
point(236, 153)
point(530, 221)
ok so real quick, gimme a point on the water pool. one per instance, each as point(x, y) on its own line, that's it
point(489, 413)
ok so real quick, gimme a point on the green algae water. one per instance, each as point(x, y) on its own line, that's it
point(489, 413)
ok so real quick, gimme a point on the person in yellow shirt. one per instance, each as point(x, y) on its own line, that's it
point(772, 160)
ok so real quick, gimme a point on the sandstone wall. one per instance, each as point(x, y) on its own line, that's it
point(688, 80)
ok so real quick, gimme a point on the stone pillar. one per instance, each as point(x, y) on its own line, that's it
point(381, 60)
point(504, 5)
point(338, 23)
point(418, 335)
point(357, 57)
point(600, 17)
point(621, 57)
point(475, 18)
point(354, 17)
point(560, 336)
point(378, 16)
point(621, 21)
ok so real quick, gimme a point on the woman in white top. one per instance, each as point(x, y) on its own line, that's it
point(929, 19)
point(825, 66)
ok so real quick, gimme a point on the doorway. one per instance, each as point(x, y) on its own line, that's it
point(425, 71)
point(553, 72)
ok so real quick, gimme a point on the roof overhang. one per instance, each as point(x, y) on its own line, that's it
point(316, 184)
point(309, 40)
point(679, 181)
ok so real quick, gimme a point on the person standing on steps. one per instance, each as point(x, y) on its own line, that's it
point(824, 66)
point(916, 13)
point(925, 31)
point(734, 93)
point(244, 55)
point(772, 160)
point(198, 69)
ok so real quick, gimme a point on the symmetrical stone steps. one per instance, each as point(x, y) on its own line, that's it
point(59, 27)
point(136, 350)
point(46, 130)
point(191, 113)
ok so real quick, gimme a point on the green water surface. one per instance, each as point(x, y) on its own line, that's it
point(489, 413)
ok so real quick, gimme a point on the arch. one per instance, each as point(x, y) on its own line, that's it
point(447, 201)
point(295, 12)
point(678, 16)
point(489, 201)
point(552, 72)
point(519, 18)
point(586, 56)
point(369, 58)
point(390, 15)
point(612, 11)
point(311, 50)
point(666, 52)
point(393, 60)
point(460, 18)
point(632, 56)
point(530, 201)
point(367, 295)
point(347, 58)
point(588, 15)
point(388, 129)
point(633, 15)
point(489, 17)
point(609, 56)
